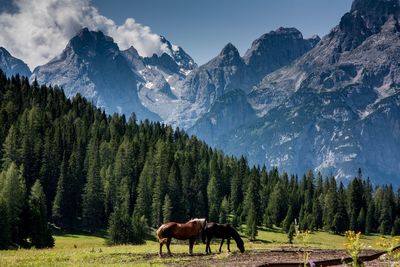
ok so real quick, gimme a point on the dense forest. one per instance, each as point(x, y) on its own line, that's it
point(65, 162)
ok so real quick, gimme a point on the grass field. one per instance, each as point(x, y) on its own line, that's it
point(84, 250)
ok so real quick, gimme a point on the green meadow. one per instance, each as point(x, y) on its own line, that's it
point(88, 250)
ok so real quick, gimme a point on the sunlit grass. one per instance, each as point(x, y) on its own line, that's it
point(84, 250)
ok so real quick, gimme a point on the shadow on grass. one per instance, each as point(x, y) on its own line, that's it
point(77, 233)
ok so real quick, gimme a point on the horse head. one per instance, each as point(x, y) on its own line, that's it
point(240, 245)
point(237, 238)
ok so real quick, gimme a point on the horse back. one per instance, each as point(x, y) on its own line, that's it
point(177, 230)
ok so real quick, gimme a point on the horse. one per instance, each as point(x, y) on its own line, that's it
point(224, 231)
point(189, 230)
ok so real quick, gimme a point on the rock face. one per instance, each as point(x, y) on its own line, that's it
point(226, 114)
point(275, 50)
point(11, 65)
point(336, 108)
point(93, 66)
point(229, 71)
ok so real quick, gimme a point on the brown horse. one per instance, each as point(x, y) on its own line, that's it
point(189, 230)
point(223, 231)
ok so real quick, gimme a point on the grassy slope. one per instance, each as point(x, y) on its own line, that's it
point(92, 251)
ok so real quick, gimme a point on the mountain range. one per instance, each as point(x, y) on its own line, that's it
point(331, 105)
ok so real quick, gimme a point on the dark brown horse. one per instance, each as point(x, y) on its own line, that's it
point(224, 231)
point(181, 231)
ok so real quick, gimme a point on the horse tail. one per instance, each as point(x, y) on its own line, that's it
point(160, 235)
point(203, 235)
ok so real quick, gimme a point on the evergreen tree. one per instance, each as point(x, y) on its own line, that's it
point(13, 193)
point(167, 209)
point(224, 211)
point(39, 230)
point(93, 199)
point(5, 231)
point(61, 205)
point(10, 148)
point(370, 224)
point(119, 227)
point(291, 233)
point(213, 200)
point(288, 221)
point(251, 206)
point(277, 205)
point(144, 188)
point(340, 219)
point(396, 227)
point(139, 228)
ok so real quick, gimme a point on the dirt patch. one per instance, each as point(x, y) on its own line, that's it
point(259, 257)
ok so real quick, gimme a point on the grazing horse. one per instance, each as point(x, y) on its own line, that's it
point(224, 231)
point(181, 231)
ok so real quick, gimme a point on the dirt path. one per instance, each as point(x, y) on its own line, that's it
point(260, 257)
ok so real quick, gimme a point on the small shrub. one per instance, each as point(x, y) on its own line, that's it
point(354, 246)
point(303, 237)
point(388, 244)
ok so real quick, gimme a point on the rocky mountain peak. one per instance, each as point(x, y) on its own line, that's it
point(11, 65)
point(230, 51)
point(293, 32)
point(365, 18)
point(90, 43)
point(182, 59)
point(276, 49)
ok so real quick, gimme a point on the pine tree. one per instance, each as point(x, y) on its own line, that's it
point(224, 211)
point(10, 148)
point(139, 228)
point(370, 224)
point(340, 219)
point(277, 205)
point(289, 220)
point(144, 189)
point(291, 233)
point(93, 199)
point(396, 227)
point(167, 209)
point(13, 192)
point(39, 231)
point(119, 227)
point(251, 205)
point(213, 199)
point(330, 205)
point(5, 231)
point(61, 202)
point(175, 192)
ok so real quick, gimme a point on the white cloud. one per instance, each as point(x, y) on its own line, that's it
point(40, 29)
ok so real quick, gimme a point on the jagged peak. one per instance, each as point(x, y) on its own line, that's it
point(4, 51)
point(229, 50)
point(86, 40)
point(287, 31)
point(367, 5)
point(131, 50)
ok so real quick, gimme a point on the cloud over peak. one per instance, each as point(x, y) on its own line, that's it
point(38, 30)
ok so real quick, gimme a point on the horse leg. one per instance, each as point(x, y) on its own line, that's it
point(191, 244)
point(160, 253)
point(229, 243)
point(169, 243)
point(208, 249)
point(220, 247)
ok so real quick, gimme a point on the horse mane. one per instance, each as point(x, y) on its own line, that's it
point(202, 221)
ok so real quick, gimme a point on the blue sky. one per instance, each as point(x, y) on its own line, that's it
point(203, 27)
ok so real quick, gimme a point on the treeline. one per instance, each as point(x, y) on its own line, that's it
point(69, 162)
